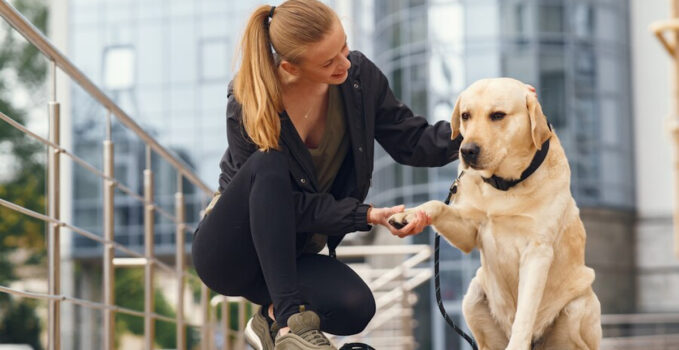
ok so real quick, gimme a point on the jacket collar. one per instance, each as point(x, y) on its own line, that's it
point(297, 148)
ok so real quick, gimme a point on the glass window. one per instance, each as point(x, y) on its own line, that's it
point(418, 26)
point(152, 51)
point(213, 27)
point(482, 20)
point(583, 20)
point(150, 102)
point(182, 8)
point(609, 24)
point(182, 100)
point(517, 20)
point(182, 52)
point(483, 64)
point(609, 74)
point(150, 9)
point(214, 59)
point(119, 63)
point(520, 64)
point(553, 89)
point(551, 19)
point(84, 42)
point(585, 68)
point(610, 119)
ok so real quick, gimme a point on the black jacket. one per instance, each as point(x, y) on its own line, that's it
point(372, 113)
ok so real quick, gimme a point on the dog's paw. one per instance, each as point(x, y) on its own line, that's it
point(400, 220)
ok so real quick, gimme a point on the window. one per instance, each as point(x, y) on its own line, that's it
point(214, 59)
point(119, 63)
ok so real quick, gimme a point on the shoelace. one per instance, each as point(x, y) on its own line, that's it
point(315, 337)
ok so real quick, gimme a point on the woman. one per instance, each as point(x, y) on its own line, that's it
point(302, 117)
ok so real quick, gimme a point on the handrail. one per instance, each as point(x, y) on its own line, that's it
point(35, 37)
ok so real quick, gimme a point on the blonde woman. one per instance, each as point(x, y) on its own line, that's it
point(303, 114)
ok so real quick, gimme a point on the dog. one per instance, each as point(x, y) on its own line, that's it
point(512, 201)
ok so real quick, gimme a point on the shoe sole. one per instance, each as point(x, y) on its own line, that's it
point(252, 338)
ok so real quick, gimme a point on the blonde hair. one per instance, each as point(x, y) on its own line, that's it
point(294, 25)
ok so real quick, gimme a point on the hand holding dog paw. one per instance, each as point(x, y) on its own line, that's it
point(410, 222)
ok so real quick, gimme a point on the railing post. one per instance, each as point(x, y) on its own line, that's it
point(205, 309)
point(242, 319)
point(109, 253)
point(226, 317)
point(53, 230)
point(675, 129)
point(179, 261)
point(406, 322)
point(149, 211)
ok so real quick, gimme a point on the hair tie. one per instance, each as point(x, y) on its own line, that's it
point(271, 12)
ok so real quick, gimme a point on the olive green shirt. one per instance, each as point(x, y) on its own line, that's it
point(329, 155)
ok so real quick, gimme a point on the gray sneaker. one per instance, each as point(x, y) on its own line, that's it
point(258, 332)
point(304, 334)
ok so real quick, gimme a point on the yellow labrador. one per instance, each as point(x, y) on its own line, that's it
point(513, 203)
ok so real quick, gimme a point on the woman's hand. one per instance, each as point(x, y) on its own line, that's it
point(380, 216)
point(531, 88)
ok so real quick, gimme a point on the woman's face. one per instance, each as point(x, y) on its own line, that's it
point(326, 61)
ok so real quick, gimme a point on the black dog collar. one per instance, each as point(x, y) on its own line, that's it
point(504, 184)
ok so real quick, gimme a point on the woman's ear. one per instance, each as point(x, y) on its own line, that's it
point(290, 67)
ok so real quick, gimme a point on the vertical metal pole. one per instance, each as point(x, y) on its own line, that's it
point(205, 309)
point(149, 211)
point(226, 317)
point(242, 319)
point(179, 261)
point(53, 230)
point(109, 253)
point(406, 326)
point(675, 129)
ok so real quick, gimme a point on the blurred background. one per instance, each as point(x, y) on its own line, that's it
point(604, 81)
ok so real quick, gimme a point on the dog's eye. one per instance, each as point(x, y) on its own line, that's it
point(465, 116)
point(497, 115)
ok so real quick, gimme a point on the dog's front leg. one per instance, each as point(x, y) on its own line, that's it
point(446, 220)
point(533, 270)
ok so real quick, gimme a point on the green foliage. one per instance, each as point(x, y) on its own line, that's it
point(21, 325)
point(22, 68)
point(129, 292)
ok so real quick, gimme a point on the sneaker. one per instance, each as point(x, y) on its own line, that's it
point(258, 331)
point(304, 334)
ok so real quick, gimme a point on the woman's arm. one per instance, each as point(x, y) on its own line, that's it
point(408, 138)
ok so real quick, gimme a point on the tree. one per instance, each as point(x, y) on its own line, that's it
point(21, 68)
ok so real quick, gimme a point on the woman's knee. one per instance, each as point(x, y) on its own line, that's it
point(271, 160)
point(359, 308)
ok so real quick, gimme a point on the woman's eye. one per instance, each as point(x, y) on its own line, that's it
point(465, 116)
point(497, 115)
point(327, 64)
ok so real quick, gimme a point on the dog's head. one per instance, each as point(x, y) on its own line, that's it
point(502, 124)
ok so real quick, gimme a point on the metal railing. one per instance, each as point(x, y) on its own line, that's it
point(54, 221)
point(392, 286)
point(648, 331)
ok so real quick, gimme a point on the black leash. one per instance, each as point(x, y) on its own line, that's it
point(437, 280)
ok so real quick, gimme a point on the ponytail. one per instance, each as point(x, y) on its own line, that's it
point(293, 25)
point(257, 86)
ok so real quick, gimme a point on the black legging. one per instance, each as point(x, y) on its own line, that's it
point(248, 246)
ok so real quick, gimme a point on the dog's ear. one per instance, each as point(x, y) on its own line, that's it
point(455, 120)
point(540, 130)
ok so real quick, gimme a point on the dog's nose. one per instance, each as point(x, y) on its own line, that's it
point(470, 152)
